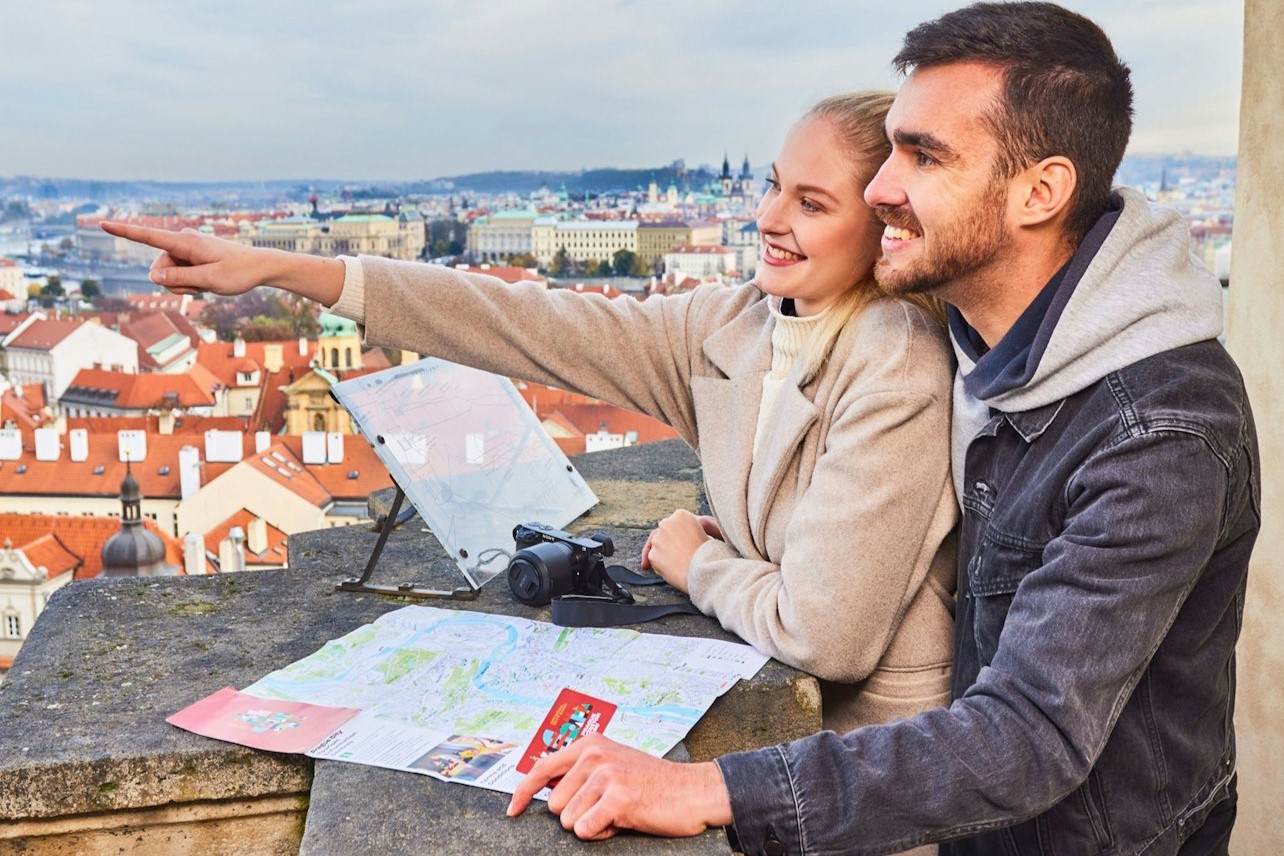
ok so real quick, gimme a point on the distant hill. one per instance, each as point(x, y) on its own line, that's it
point(604, 180)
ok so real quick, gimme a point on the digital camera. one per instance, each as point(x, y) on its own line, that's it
point(551, 563)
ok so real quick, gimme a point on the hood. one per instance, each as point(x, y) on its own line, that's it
point(1141, 293)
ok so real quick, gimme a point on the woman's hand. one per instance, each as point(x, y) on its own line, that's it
point(191, 262)
point(671, 545)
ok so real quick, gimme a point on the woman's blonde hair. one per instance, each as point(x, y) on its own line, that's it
point(858, 118)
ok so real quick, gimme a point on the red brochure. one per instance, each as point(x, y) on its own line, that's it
point(573, 715)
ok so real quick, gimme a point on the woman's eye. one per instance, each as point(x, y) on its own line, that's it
point(808, 205)
point(770, 184)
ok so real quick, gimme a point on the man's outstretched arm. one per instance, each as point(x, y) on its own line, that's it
point(606, 787)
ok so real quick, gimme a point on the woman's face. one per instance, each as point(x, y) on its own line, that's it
point(819, 237)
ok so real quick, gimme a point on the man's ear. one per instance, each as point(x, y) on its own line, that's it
point(1045, 190)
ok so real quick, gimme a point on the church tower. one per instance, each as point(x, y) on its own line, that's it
point(134, 551)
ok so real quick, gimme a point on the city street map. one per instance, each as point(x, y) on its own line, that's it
point(452, 694)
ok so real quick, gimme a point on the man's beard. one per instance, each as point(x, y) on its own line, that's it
point(955, 250)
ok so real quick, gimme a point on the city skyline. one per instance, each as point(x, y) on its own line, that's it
point(405, 90)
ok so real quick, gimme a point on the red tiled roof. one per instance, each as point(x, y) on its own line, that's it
point(27, 411)
point(5, 294)
point(220, 359)
point(49, 553)
point(186, 424)
point(10, 321)
point(276, 552)
point(158, 475)
point(605, 289)
point(590, 418)
point(358, 457)
point(83, 537)
point(195, 388)
point(65, 477)
point(507, 274)
point(44, 335)
point(282, 466)
point(4, 262)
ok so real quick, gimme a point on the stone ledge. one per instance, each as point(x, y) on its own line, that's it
point(91, 766)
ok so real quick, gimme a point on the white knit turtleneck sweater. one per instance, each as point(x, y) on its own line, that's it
point(788, 340)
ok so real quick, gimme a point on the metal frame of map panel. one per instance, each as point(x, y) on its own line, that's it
point(469, 453)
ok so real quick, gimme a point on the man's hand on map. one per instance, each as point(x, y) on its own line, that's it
point(671, 545)
point(191, 262)
point(607, 787)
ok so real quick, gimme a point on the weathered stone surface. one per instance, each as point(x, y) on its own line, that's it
point(358, 809)
point(90, 765)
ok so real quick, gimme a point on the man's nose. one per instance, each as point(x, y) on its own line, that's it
point(884, 190)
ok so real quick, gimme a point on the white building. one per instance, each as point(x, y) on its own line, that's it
point(51, 352)
point(502, 234)
point(699, 261)
point(583, 240)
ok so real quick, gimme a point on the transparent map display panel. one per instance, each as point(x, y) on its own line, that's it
point(470, 455)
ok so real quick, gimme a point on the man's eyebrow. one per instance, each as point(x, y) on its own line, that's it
point(923, 140)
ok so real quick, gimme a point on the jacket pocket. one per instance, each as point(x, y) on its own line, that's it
point(994, 574)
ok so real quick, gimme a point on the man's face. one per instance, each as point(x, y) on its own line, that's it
point(945, 209)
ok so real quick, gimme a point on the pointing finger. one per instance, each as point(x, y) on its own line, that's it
point(161, 239)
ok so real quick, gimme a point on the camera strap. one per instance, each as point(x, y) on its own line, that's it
point(591, 610)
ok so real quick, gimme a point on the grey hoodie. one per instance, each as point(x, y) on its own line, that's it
point(1142, 292)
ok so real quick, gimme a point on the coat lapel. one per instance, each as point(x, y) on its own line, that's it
point(727, 412)
point(741, 485)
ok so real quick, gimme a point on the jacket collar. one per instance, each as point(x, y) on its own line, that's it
point(743, 346)
point(1031, 424)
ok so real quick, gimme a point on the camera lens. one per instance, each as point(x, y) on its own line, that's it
point(540, 573)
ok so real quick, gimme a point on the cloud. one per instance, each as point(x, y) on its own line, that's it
point(400, 89)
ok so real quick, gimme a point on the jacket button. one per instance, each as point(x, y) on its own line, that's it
point(771, 844)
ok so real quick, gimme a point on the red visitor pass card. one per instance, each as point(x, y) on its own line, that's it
point(573, 715)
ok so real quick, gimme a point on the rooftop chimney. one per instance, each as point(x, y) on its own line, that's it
point(256, 540)
point(272, 361)
point(225, 447)
point(189, 471)
point(334, 448)
point(238, 348)
point(79, 444)
point(303, 346)
point(231, 551)
point(132, 445)
point(166, 422)
point(262, 440)
point(193, 553)
point(48, 444)
point(10, 444)
point(314, 447)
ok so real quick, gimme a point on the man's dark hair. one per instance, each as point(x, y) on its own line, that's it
point(1065, 90)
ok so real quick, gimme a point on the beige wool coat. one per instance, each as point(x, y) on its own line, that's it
point(839, 553)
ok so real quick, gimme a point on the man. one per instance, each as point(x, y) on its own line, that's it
point(1107, 467)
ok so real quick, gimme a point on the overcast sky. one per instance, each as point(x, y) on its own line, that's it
point(411, 89)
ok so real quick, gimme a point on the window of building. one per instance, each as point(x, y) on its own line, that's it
point(13, 625)
point(347, 357)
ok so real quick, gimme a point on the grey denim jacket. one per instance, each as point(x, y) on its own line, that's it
point(1104, 550)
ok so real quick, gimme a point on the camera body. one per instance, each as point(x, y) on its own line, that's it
point(551, 563)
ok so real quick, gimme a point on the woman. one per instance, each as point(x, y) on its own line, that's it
point(819, 408)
